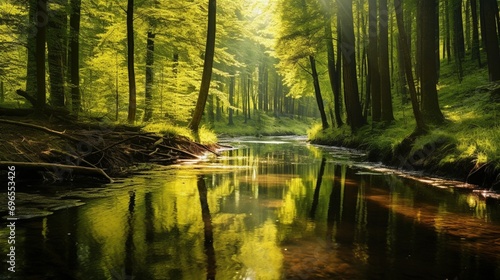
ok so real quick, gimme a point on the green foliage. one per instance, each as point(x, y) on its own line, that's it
point(471, 132)
point(206, 136)
point(13, 33)
point(263, 125)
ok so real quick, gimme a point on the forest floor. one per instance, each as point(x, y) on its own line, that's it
point(465, 147)
point(262, 124)
point(50, 149)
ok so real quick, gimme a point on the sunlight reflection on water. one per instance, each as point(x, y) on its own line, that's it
point(273, 209)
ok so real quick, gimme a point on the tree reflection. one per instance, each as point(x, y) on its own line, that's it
point(316, 190)
point(208, 230)
point(129, 243)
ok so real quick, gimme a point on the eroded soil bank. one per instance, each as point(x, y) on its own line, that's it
point(49, 150)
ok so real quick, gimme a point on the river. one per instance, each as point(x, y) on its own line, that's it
point(272, 208)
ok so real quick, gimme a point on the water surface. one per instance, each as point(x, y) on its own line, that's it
point(274, 208)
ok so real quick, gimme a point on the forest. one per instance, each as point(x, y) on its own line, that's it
point(390, 77)
point(258, 139)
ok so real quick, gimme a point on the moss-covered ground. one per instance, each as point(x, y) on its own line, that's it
point(465, 146)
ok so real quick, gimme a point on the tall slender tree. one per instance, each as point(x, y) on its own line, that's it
point(351, 92)
point(132, 102)
point(56, 46)
point(42, 19)
point(207, 67)
point(332, 69)
point(421, 126)
point(317, 92)
point(373, 53)
point(385, 79)
point(429, 77)
point(490, 36)
point(475, 32)
point(74, 55)
point(31, 77)
point(150, 48)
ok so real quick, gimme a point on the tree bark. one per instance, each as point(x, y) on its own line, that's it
point(373, 69)
point(231, 99)
point(430, 105)
point(207, 67)
point(332, 71)
point(351, 92)
point(475, 33)
point(132, 105)
point(150, 48)
point(2, 93)
point(56, 46)
point(317, 93)
point(490, 37)
point(458, 29)
point(385, 78)
point(31, 77)
point(405, 49)
point(42, 20)
point(74, 56)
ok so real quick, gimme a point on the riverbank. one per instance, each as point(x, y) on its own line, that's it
point(262, 124)
point(48, 149)
point(465, 147)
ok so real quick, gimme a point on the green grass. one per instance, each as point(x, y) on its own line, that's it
point(205, 136)
point(471, 132)
point(262, 125)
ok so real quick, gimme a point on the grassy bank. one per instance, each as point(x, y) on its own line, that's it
point(261, 125)
point(466, 146)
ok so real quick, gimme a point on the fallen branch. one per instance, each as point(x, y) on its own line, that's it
point(111, 146)
point(179, 151)
point(44, 165)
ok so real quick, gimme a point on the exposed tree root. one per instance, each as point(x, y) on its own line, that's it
point(96, 152)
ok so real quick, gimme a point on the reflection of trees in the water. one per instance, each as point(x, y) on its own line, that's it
point(275, 218)
point(317, 188)
point(129, 242)
point(207, 229)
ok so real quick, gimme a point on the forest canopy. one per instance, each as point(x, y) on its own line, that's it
point(339, 60)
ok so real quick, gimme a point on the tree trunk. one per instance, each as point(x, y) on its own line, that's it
point(373, 69)
point(74, 56)
point(2, 93)
point(405, 50)
point(317, 93)
point(56, 46)
point(401, 73)
point(458, 36)
point(467, 25)
point(458, 29)
point(42, 20)
point(447, 30)
point(211, 108)
point(490, 36)
point(231, 99)
point(353, 106)
point(475, 33)
point(430, 105)
point(332, 71)
point(132, 105)
point(31, 77)
point(150, 49)
point(385, 79)
point(207, 67)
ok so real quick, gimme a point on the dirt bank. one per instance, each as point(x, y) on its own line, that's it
point(54, 149)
